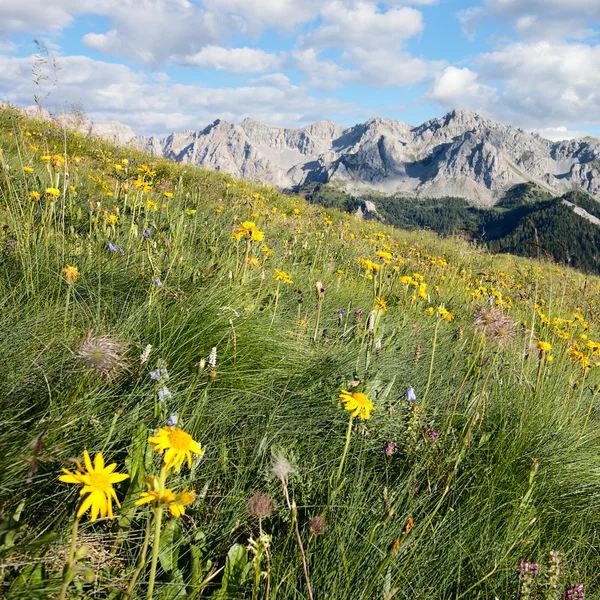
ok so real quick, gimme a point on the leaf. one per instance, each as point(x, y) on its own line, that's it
point(236, 571)
point(168, 548)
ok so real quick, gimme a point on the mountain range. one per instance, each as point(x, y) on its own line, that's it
point(461, 154)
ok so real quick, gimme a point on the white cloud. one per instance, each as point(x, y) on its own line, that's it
point(277, 80)
point(364, 26)
point(115, 92)
point(537, 19)
point(237, 60)
point(461, 88)
point(560, 133)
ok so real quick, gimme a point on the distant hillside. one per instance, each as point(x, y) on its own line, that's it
point(528, 220)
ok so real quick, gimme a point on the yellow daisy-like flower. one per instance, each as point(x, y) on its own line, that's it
point(178, 444)
point(113, 219)
point(27, 170)
point(282, 276)
point(544, 346)
point(175, 503)
point(34, 195)
point(358, 403)
point(382, 255)
point(380, 304)
point(53, 192)
point(97, 481)
point(249, 231)
point(70, 273)
point(168, 194)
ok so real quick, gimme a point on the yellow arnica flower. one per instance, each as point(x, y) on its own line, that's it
point(282, 276)
point(178, 444)
point(248, 230)
point(27, 169)
point(46, 157)
point(97, 483)
point(384, 255)
point(71, 273)
point(544, 346)
point(168, 194)
point(53, 192)
point(34, 195)
point(358, 403)
point(175, 503)
point(380, 304)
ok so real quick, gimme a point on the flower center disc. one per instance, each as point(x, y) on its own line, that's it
point(180, 440)
point(99, 481)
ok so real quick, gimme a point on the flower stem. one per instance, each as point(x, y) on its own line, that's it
point(70, 566)
point(348, 434)
point(276, 302)
point(435, 333)
point(141, 563)
point(157, 525)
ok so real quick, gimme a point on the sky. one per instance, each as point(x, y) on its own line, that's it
point(169, 65)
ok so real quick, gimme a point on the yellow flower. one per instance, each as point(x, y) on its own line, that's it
point(444, 314)
point(429, 311)
point(112, 219)
point(249, 231)
point(27, 169)
point(219, 209)
point(178, 444)
point(97, 483)
point(168, 194)
point(380, 304)
point(544, 346)
point(175, 503)
point(145, 170)
point(71, 273)
point(384, 255)
point(53, 192)
point(358, 403)
point(282, 276)
point(46, 157)
point(151, 204)
point(57, 161)
point(34, 195)
point(266, 249)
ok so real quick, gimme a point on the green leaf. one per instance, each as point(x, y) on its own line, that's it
point(168, 548)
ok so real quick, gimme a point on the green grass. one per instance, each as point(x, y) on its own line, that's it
point(512, 475)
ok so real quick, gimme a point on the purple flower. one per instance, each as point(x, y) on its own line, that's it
point(147, 234)
point(575, 592)
point(164, 394)
point(155, 375)
point(528, 569)
point(359, 312)
point(434, 436)
point(341, 311)
point(11, 243)
point(172, 420)
point(410, 395)
point(157, 283)
point(390, 448)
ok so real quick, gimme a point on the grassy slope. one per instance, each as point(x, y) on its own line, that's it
point(512, 475)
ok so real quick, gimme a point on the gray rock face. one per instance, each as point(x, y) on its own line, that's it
point(461, 154)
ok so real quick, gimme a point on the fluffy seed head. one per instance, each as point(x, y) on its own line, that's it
point(103, 355)
point(260, 506)
point(282, 468)
point(318, 525)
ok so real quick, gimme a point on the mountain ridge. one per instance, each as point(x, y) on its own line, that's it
point(459, 154)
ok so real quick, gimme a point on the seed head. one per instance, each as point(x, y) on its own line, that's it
point(318, 525)
point(282, 468)
point(260, 506)
point(103, 355)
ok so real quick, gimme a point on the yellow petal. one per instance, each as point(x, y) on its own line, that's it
point(87, 462)
point(99, 462)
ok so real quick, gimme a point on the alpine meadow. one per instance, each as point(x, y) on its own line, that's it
point(214, 390)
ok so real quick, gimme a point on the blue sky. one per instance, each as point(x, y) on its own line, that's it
point(168, 65)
